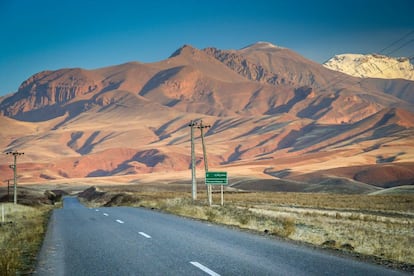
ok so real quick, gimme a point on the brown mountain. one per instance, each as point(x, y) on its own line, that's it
point(274, 115)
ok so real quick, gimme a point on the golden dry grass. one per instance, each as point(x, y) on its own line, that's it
point(21, 236)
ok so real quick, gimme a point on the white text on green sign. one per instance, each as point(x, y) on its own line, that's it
point(216, 178)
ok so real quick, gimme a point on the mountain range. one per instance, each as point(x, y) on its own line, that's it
point(277, 121)
point(373, 66)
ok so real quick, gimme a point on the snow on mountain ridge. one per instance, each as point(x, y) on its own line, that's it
point(263, 45)
point(372, 66)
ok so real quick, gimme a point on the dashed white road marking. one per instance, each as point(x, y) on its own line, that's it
point(205, 269)
point(145, 235)
point(105, 214)
point(120, 221)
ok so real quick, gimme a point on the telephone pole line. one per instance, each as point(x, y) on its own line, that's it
point(201, 126)
point(14, 167)
point(193, 161)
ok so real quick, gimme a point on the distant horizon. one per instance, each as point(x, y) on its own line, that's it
point(42, 35)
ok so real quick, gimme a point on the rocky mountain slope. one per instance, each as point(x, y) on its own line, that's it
point(372, 66)
point(273, 115)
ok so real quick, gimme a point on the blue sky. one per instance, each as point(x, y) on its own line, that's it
point(39, 35)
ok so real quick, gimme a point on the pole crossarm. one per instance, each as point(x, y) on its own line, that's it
point(201, 125)
point(193, 124)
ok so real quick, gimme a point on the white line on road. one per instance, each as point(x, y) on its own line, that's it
point(119, 221)
point(145, 235)
point(105, 214)
point(205, 269)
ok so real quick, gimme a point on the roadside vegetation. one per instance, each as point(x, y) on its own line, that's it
point(381, 226)
point(21, 235)
point(22, 229)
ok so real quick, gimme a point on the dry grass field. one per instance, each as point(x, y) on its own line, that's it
point(381, 226)
point(21, 235)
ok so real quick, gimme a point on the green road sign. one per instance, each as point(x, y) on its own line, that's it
point(216, 178)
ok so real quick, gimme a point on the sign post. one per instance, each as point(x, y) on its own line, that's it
point(217, 178)
point(222, 196)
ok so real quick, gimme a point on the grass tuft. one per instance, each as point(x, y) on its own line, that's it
point(287, 227)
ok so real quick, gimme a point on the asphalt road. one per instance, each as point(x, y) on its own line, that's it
point(136, 241)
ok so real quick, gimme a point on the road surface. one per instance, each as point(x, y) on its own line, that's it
point(137, 241)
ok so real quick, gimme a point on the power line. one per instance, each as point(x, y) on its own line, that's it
point(397, 41)
point(339, 78)
point(402, 46)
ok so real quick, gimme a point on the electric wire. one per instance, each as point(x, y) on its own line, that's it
point(395, 42)
point(340, 78)
point(402, 46)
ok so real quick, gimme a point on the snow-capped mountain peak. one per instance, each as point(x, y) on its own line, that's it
point(372, 66)
point(263, 45)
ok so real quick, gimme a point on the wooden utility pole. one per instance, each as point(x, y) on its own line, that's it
point(14, 167)
point(193, 162)
point(201, 126)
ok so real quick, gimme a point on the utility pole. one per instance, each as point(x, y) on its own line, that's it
point(14, 167)
point(8, 190)
point(193, 162)
point(201, 126)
